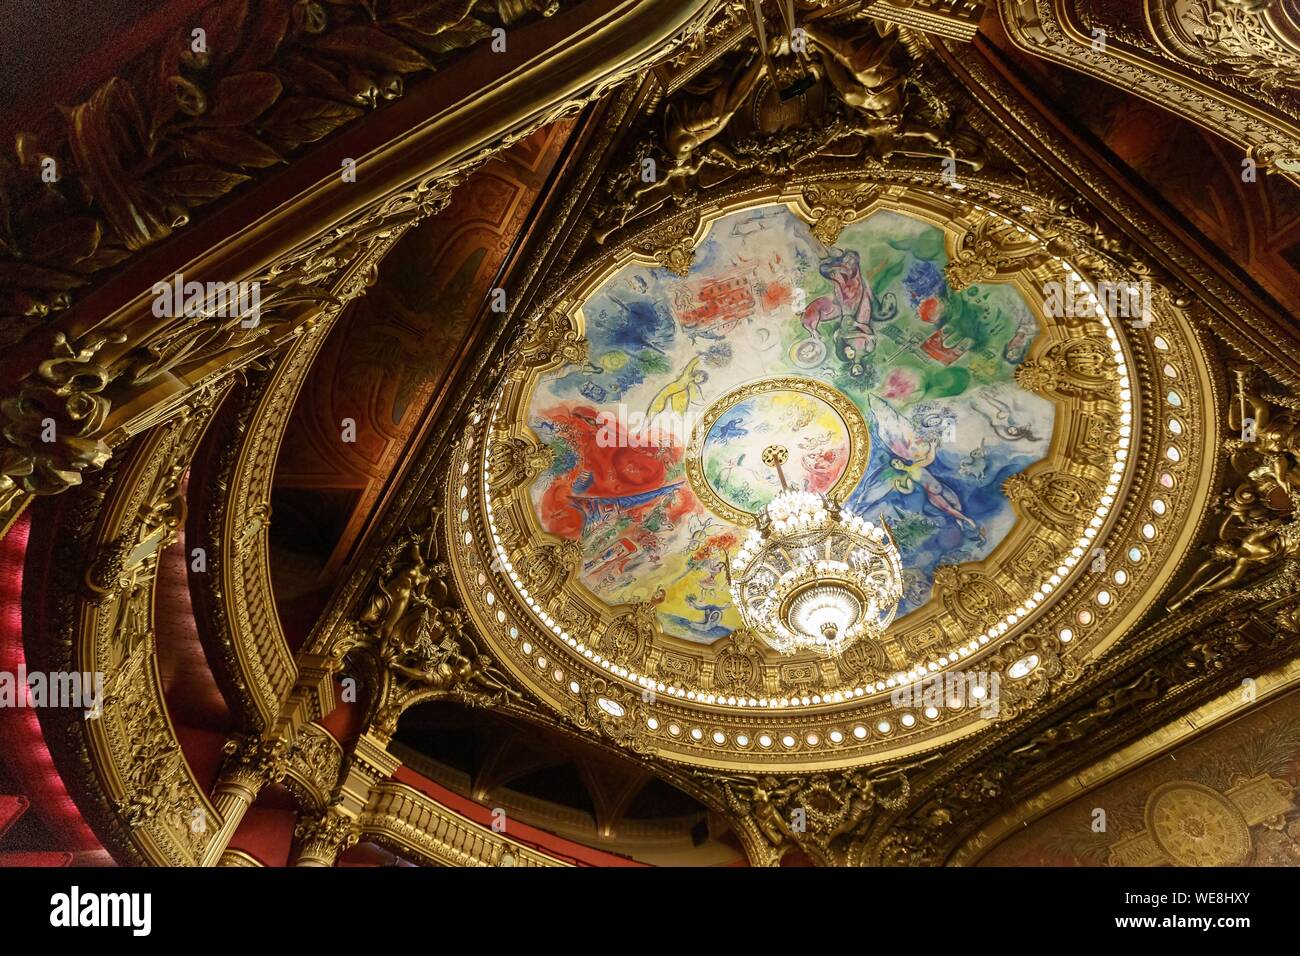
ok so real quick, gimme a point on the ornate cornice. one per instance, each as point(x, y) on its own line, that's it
point(199, 116)
point(956, 19)
point(233, 597)
point(1187, 727)
point(318, 252)
point(1168, 670)
point(1223, 66)
point(1126, 223)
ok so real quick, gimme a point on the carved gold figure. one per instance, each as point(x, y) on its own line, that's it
point(1259, 524)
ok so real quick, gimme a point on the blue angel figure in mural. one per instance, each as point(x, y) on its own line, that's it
point(912, 456)
point(729, 430)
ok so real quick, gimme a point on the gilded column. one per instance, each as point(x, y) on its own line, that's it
point(251, 763)
point(320, 839)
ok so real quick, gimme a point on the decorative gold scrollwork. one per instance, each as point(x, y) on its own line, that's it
point(50, 426)
point(548, 340)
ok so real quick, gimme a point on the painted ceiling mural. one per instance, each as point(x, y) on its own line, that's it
point(888, 390)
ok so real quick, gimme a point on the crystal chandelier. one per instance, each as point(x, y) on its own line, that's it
point(814, 576)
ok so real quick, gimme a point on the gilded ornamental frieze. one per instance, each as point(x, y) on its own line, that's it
point(305, 260)
point(241, 89)
point(125, 752)
point(233, 599)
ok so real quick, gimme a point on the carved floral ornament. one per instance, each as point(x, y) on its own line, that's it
point(241, 88)
point(1254, 45)
point(1125, 474)
point(106, 620)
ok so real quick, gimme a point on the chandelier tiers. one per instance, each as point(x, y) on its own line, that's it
point(813, 576)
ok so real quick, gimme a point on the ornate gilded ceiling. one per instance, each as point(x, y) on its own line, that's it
point(858, 232)
point(607, 490)
point(1226, 64)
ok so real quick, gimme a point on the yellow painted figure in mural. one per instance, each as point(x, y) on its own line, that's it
point(678, 394)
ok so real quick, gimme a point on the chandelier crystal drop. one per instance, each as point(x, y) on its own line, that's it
point(814, 576)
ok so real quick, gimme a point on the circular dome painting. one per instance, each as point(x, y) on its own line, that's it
point(821, 431)
point(889, 390)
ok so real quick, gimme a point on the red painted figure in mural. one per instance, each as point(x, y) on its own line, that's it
point(608, 478)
